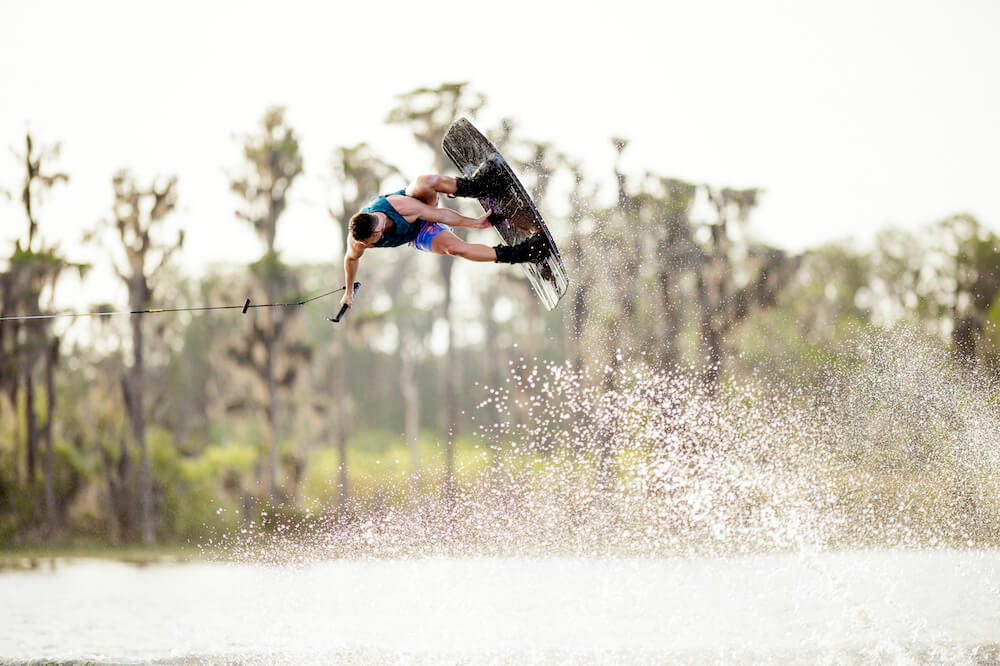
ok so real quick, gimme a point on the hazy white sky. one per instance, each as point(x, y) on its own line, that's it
point(852, 115)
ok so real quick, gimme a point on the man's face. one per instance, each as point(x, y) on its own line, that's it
point(376, 232)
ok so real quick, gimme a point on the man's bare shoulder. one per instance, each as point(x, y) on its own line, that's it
point(401, 198)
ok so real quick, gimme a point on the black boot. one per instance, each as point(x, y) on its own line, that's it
point(533, 249)
point(488, 179)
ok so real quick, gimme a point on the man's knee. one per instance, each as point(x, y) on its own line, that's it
point(425, 188)
point(427, 184)
point(429, 181)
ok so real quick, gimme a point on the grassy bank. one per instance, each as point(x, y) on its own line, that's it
point(46, 555)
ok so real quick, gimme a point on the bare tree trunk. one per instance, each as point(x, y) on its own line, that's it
point(51, 358)
point(115, 499)
point(448, 372)
point(136, 389)
point(135, 405)
point(711, 342)
point(14, 395)
point(272, 407)
point(710, 337)
point(119, 477)
point(9, 375)
point(343, 375)
point(30, 419)
point(274, 163)
point(145, 491)
point(411, 415)
point(494, 360)
point(669, 354)
point(964, 338)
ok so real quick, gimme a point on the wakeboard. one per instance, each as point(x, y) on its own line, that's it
point(515, 216)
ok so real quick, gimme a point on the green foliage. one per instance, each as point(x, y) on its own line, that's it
point(200, 494)
point(20, 502)
point(379, 458)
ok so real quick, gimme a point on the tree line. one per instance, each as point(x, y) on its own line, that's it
point(135, 439)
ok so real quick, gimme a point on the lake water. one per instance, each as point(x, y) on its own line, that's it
point(852, 607)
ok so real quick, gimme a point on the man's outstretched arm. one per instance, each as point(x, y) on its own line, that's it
point(351, 262)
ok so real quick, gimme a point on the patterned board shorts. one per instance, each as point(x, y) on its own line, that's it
point(428, 230)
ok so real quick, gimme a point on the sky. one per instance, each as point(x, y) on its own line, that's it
point(851, 115)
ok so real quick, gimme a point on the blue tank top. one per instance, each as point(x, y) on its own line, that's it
point(404, 231)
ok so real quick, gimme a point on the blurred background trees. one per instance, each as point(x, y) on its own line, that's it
point(162, 429)
point(30, 348)
point(272, 358)
point(137, 215)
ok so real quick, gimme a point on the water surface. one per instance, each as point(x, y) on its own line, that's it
point(878, 607)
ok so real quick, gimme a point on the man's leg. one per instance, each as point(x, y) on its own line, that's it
point(427, 188)
point(446, 242)
point(439, 239)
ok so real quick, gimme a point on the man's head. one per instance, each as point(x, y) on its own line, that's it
point(365, 228)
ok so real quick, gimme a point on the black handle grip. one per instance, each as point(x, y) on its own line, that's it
point(357, 285)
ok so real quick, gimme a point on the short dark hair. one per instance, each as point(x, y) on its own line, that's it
point(363, 226)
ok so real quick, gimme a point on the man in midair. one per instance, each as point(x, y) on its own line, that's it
point(412, 216)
